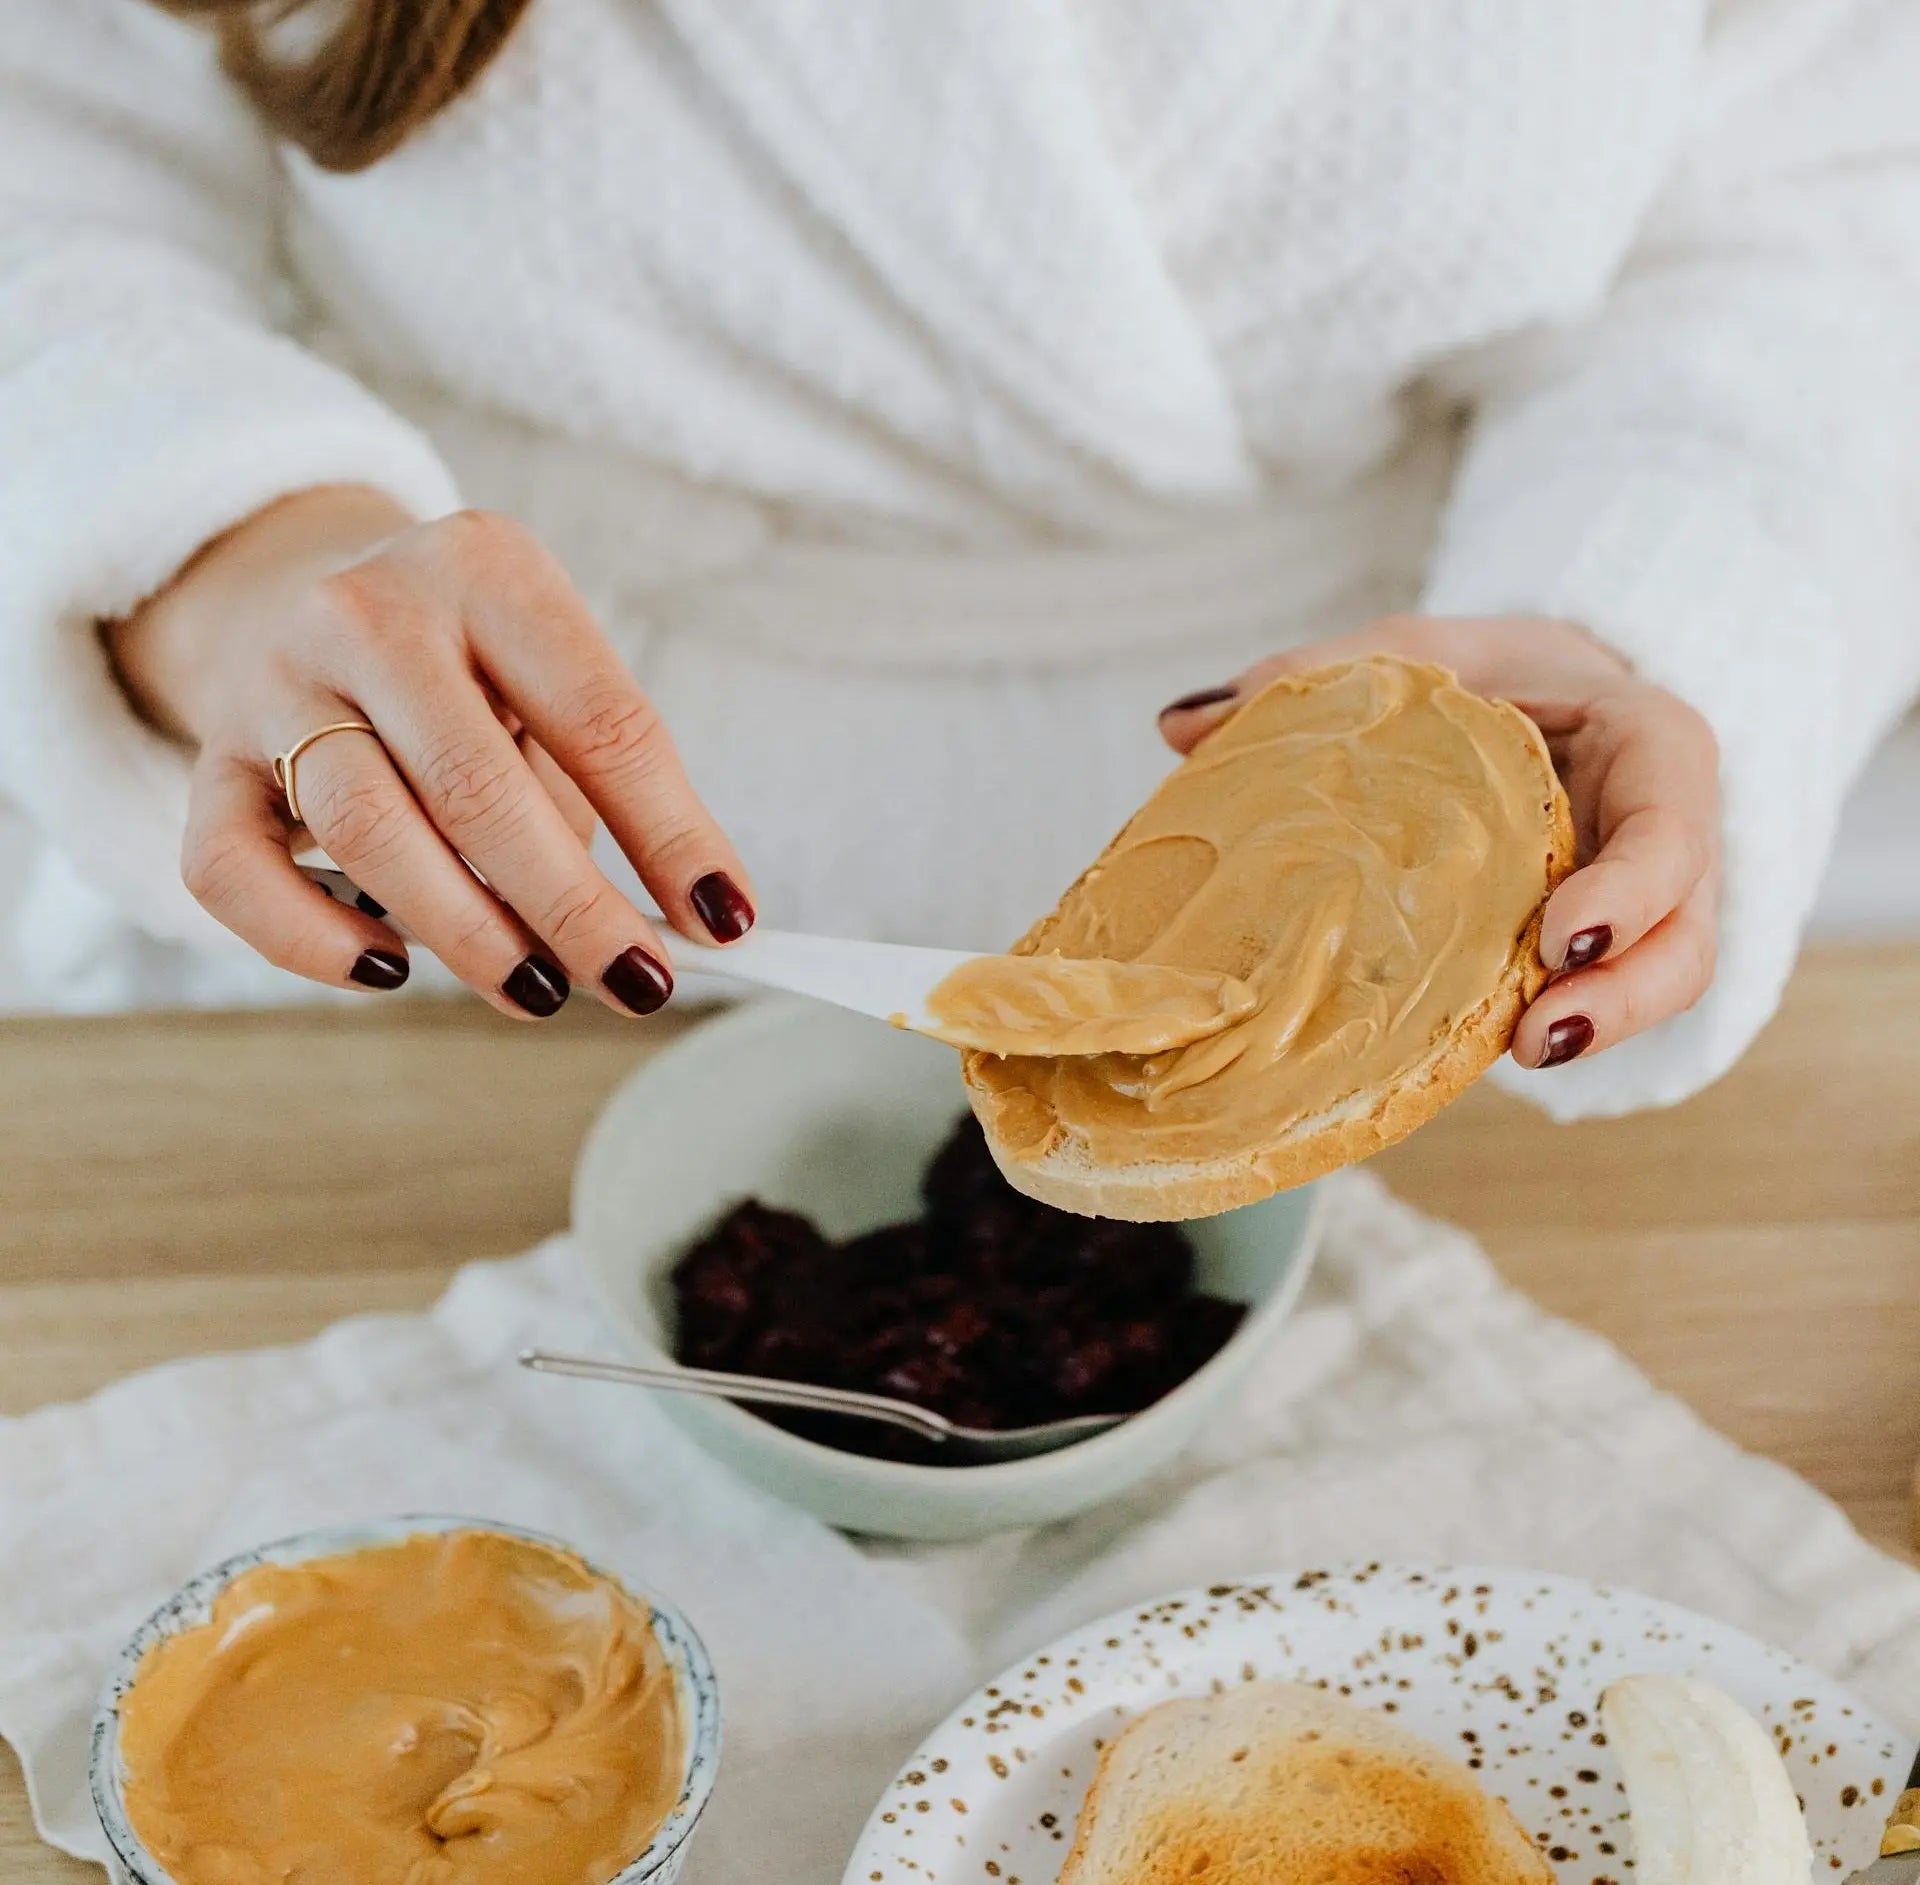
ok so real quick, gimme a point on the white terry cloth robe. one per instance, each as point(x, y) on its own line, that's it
point(924, 394)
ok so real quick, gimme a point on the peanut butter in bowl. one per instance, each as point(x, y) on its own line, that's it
point(442, 1703)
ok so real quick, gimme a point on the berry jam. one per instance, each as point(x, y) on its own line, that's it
point(989, 1308)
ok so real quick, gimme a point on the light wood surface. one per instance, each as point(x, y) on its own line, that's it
point(172, 1185)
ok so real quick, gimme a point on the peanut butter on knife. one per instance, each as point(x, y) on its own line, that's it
point(1067, 1006)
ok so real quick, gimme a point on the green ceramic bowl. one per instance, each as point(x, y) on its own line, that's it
point(817, 1110)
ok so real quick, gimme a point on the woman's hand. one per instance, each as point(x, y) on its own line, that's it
point(505, 724)
point(1631, 934)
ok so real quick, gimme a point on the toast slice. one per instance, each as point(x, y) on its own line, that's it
point(1278, 1783)
point(1445, 811)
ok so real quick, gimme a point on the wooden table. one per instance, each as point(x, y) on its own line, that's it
point(170, 1185)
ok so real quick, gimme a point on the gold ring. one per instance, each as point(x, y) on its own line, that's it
point(283, 763)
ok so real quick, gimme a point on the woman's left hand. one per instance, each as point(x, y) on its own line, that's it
point(1631, 935)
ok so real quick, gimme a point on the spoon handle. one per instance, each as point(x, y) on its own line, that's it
point(745, 1387)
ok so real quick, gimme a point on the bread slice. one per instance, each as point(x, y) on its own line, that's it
point(1277, 1783)
point(1353, 1124)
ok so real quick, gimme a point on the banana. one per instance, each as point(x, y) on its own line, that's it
point(1711, 1803)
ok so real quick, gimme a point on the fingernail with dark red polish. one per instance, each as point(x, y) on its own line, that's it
point(1207, 697)
point(379, 968)
point(1567, 1040)
point(361, 901)
point(1587, 946)
point(538, 987)
point(722, 905)
point(635, 980)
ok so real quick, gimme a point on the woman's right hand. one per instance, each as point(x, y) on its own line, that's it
point(505, 724)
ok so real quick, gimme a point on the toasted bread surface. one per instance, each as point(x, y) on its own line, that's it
point(1279, 1783)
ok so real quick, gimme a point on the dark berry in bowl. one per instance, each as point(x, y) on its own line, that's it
point(989, 1308)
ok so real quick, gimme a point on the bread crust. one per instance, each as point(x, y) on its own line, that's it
point(1361, 1126)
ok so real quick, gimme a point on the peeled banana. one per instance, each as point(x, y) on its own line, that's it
point(1711, 1803)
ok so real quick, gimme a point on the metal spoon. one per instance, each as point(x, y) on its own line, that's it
point(979, 1446)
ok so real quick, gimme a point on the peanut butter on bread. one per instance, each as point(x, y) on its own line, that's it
point(1368, 850)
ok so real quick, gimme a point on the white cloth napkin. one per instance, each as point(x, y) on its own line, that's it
point(1414, 1407)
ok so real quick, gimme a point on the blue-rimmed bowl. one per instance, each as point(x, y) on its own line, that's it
point(695, 1687)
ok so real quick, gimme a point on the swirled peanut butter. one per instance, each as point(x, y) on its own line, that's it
point(1049, 1004)
point(1363, 848)
point(457, 1709)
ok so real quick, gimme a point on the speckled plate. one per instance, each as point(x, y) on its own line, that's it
point(1503, 1668)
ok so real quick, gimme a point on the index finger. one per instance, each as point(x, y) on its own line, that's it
point(1657, 821)
point(558, 672)
point(469, 776)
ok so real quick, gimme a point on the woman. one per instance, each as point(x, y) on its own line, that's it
point(906, 402)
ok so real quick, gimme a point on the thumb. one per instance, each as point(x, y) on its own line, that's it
point(1185, 722)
